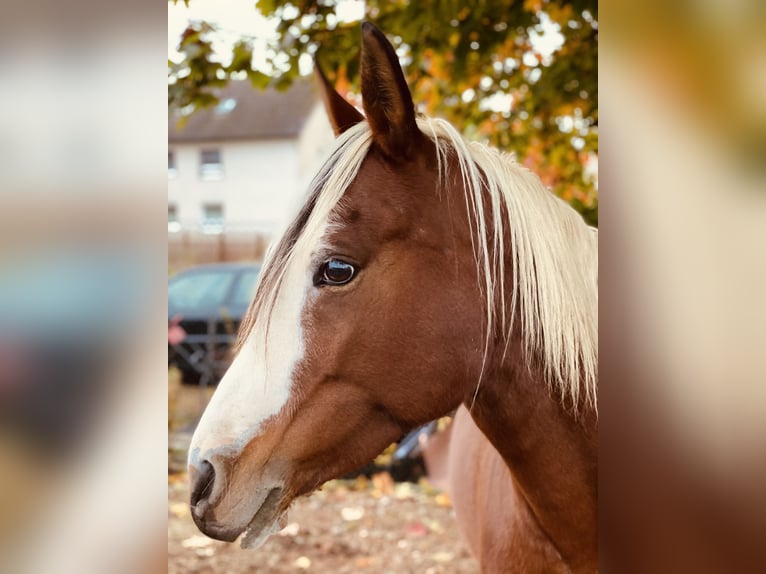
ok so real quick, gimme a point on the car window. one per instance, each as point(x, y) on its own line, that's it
point(201, 290)
point(245, 289)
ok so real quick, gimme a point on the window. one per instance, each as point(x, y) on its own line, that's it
point(174, 225)
point(171, 164)
point(210, 167)
point(212, 218)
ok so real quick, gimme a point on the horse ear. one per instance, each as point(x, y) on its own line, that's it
point(386, 98)
point(342, 115)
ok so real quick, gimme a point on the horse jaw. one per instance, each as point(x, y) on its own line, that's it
point(267, 521)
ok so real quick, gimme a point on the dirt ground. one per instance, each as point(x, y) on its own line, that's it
point(373, 526)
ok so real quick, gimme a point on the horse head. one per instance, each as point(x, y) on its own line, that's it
point(365, 321)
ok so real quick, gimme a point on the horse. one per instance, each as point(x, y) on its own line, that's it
point(422, 272)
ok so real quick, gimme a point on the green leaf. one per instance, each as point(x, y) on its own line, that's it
point(259, 79)
point(450, 46)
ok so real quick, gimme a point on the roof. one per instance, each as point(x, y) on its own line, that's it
point(256, 114)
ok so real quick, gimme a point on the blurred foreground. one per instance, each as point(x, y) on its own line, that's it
point(82, 289)
point(682, 398)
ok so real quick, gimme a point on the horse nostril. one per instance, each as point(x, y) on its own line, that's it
point(202, 479)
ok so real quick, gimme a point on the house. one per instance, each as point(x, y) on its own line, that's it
point(236, 170)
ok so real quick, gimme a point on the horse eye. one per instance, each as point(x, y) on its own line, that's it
point(336, 272)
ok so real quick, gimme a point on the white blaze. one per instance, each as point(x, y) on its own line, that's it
point(258, 382)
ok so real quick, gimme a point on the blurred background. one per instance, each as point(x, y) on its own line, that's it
point(82, 287)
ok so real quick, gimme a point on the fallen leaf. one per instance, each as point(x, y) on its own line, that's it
point(435, 526)
point(352, 513)
point(442, 556)
point(197, 542)
point(382, 484)
point(179, 509)
point(209, 551)
point(403, 490)
point(290, 530)
point(361, 483)
point(417, 529)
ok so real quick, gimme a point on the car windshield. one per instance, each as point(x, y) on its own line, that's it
point(200, 290)
point(245, 289)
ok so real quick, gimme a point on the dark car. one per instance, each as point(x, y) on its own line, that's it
point(206, 305)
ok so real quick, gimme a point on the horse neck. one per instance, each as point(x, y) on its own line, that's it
point(551, 454)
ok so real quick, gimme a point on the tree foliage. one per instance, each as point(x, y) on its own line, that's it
point(475, 63)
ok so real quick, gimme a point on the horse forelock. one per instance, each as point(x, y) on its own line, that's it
point(306, 229)
point(554, 283)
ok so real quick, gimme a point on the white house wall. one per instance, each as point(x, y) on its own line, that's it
point(260, 180)
point(315, 144)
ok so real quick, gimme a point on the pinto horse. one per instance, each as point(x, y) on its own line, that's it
point(423, 272)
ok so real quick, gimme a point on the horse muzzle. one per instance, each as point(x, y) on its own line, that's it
point(202, 482)
point(258, 518)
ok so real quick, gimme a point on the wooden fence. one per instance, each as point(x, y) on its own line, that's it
point(191, 247)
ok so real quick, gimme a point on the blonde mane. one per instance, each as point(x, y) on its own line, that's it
point(554, 254)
